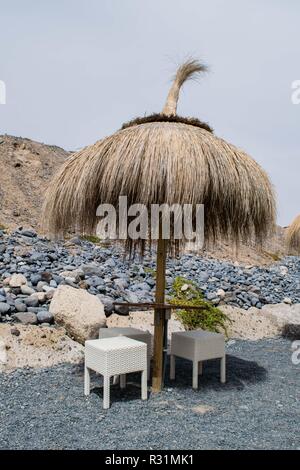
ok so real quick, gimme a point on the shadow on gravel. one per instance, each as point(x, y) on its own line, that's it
point(291, 331)
point(239, 374)
point(132, 391)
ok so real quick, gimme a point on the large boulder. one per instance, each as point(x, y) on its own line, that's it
point(249, 324)
point(142, 321)
point(81, 313)
point(286, 317)
point(36, 346)
point(272, 320)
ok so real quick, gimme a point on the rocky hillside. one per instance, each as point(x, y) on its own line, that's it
point(273, 249)
point(26, 168)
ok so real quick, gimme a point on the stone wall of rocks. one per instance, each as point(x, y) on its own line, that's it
point(32, 268)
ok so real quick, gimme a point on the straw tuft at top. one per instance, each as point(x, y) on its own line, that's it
point(188, 70)
point(293, 235)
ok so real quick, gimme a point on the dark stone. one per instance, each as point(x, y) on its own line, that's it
point(46, 276)
point(44, 316)
point(14, 331)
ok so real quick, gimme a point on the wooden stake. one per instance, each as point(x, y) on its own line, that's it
point(159, 316)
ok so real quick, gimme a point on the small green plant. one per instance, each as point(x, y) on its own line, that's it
point(2, 227)
point(274, 256)
point(208, 317)
point(92, 238)
point(150, 271)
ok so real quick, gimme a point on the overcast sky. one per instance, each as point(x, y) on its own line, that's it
point(75, 70)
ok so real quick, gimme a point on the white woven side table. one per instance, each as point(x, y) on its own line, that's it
point(134, 333)
point(115, 356)
point(198, 346)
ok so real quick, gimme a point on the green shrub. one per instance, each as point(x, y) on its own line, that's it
point(274, 256)
point(208, 317)
point(150, 271)
point(92, 239)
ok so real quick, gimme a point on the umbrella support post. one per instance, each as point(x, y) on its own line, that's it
point(165, 356)
point(159, 318)
point(158, 353)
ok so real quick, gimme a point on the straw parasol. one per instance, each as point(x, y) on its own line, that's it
point(164, 158)
point(293, 235)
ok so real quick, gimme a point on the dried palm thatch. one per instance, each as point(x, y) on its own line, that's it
point(293, 236)
point(165, 161)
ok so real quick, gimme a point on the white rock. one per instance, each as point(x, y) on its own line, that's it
point(70, 279)
point(41, 296)
point(185, 287)
point(81, 313)
point(283, 270)
point(75, 275)
point(287, 300)
point(221, 293)
point(17, 280)
point(48, 289)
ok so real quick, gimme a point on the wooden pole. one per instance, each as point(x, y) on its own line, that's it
point(159, 315)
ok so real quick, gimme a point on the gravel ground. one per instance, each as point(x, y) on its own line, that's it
point(258, 408)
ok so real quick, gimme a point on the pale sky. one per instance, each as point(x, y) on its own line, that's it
point(75, 70)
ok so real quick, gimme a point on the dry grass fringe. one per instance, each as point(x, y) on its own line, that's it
point(158, 163)
point(293, 236)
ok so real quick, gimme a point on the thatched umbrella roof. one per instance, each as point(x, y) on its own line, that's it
point(293, 235)
point(164, 158)
point(159, 159)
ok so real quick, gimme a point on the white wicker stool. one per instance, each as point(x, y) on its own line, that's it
point(115, 356)
point(198, 346)
point(134, 333)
